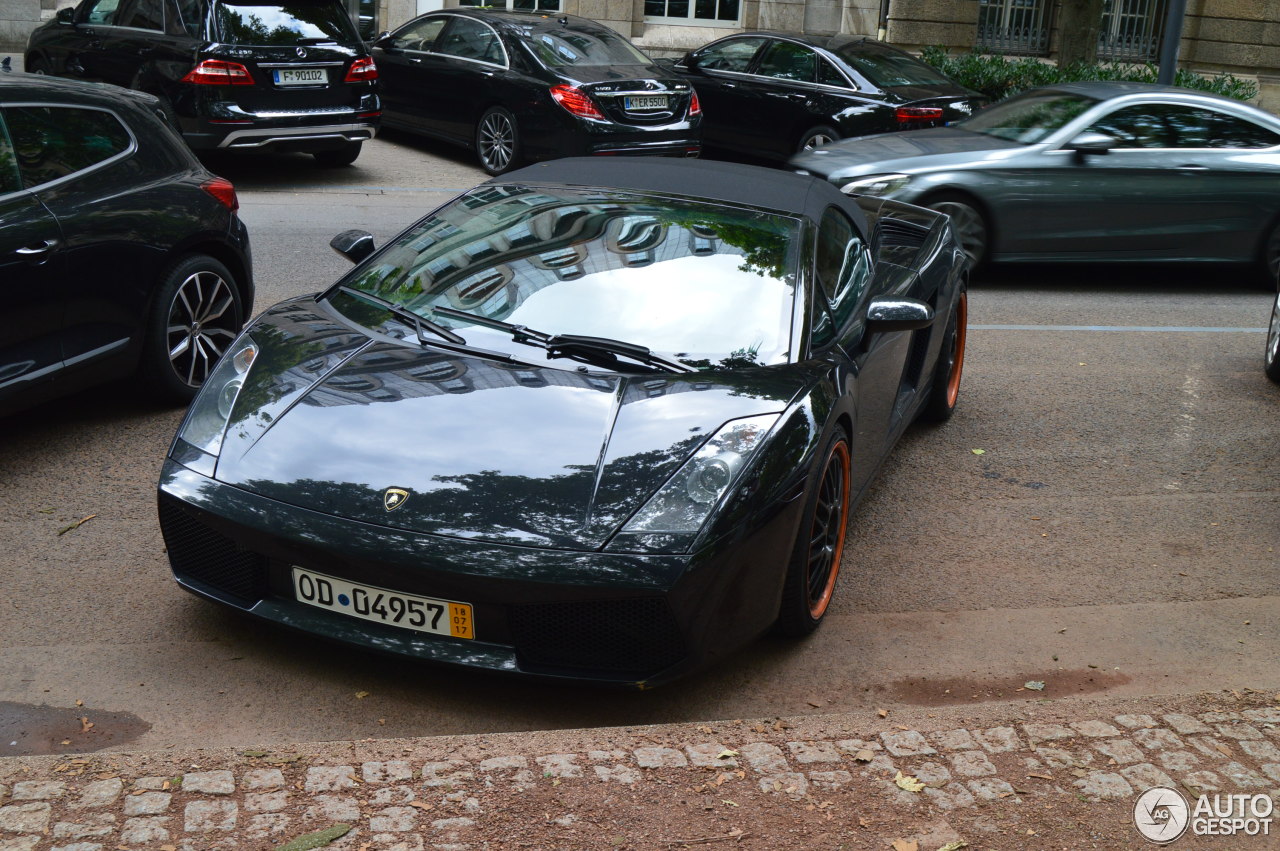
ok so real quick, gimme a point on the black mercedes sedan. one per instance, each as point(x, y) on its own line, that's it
point(232, 75)
point(524, 86)
point(591, 420)
point(119, 253)
point(773, 94)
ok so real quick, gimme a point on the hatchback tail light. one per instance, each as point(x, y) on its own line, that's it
point(576, 102)
point(695, 108)
point(362, 71)
point(917, 114)
point(222, 189)
point(219, 72)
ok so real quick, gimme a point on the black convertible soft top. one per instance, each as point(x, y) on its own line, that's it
point(730, 183)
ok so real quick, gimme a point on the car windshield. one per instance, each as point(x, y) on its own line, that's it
point(887, 70)
point(569, 47)
point(295, 22)
point(710, 286)
point(1028, 118)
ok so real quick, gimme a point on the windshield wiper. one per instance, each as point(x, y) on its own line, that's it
point(419, 323)
point(603, 351)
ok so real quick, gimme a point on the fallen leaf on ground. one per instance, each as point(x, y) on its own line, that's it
point(1034, 685)
point(905, 781)
point(978, 451)
point(361, 695)
point(85, 725)
point(906, 845)
point(864, 756)
point(726, 754)
point(954, 846)
point(76, 525)
point(883, 713)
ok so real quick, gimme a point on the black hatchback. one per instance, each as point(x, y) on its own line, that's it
point(519, 86)
point(773, 94)
point(288, 75)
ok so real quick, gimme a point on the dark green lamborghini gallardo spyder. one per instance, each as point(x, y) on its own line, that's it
point(595, 419)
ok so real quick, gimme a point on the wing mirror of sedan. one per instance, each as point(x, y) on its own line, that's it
point(1090, 142)
point(886, 314)
point(355, 245)
point(67, 15)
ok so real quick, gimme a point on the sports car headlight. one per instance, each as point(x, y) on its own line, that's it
point(685, 502)
point(211, 409)
point(877, 184)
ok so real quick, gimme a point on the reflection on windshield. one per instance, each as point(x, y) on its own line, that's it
point(710, 285)
point(569, 48)
point(889, 69)
point(1029, 118)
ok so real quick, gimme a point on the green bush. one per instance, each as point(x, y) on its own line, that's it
point(998, 77)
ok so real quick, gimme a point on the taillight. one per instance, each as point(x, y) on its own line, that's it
point(917, 114)
point(362, 71)
point(576, 101)
point(695, 108)
point(222, 189)
point(218, 72)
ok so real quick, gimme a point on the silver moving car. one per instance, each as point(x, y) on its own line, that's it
point(1092, 172)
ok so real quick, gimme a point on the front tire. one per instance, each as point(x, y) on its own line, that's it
point(1271, 360)
point(817, 137)
point(944, 390)
point(497, 141)
point(196, 314)
point(38, 66)
point(969, 223)
point(815, 561)
point(338, 157)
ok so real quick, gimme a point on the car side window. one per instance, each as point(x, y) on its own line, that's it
point(143, 15)
point(786, 60)
point(470, 39)
point(182, 17)
point(419, 35)
point(829, 76)
point(733, 55)
point(9, 179)
point(1168, 125)
point(50, 142)
point(102, 12)
point(842, 265)
point(1229, 131)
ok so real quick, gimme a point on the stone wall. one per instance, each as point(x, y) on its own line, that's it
point(17, 19)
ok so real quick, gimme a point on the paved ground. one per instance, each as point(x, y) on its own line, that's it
point(1036, 774)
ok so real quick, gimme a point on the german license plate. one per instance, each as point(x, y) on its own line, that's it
point(646, 102)
point(422, 614)
point(301, 76)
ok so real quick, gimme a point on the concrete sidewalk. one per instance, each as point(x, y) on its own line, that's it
point(1039, 774)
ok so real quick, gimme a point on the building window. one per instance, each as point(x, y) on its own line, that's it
point(1014, 26)
point(1131, 30)
point(703, 13)
point(517, 5)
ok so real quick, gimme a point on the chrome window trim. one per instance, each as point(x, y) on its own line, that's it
point(125, 154)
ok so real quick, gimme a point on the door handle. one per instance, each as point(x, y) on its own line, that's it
point(44, 247)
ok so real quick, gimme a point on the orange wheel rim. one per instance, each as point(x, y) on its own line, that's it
point(826, 536)
point(957, 349)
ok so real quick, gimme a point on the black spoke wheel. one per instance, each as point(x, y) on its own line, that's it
point(944, 390)
point(969, 224)
point(815, 562)
point(196, 315)
point(497, 141)
point(1271, 362)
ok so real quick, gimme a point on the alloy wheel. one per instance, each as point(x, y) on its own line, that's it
point(956, 356)
point(826, 536)
point(1273, 339)
point(497, 141)
point(817, 140)
point(202, 323)
point(969, 226)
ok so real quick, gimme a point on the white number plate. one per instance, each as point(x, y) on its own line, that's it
point(301, 77)
point(649, 102)
point(422, 614)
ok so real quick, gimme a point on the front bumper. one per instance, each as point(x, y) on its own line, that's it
point(613, 618)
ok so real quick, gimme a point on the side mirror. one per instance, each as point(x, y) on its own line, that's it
point(355, 245)
point(66, 16)
point(1089, 142)
point(886, 314)
point(689, 62)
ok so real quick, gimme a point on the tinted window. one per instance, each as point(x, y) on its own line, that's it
point(1177, 126)
point(9, 180)
point(51, 141)
point(102, 12)
point(295, 22)
point(1028, 118)
point(144, 15)
point(829, 76)
point(842, 263)
point(1231, 132)
point(567, 47)
point(419, 35)
point(470, 39)
point(182, 17)
point(887, 70)
point(786, 60)
point(732, 55)
point(709, 284)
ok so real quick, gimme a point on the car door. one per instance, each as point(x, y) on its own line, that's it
point(30, 279)
point(784, 83)
point(98, 57)
point(130, 43)
point(718, 73)
point(467, 62)
point(403, 77)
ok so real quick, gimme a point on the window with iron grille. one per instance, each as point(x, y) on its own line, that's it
point(703, 13)
point(1014, 26)
point(1131, 30)
point(517, 5)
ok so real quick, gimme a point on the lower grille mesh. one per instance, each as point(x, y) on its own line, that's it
point(636, 636)
point(212, 559)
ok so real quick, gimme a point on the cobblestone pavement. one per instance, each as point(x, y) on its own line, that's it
point(1051, 775)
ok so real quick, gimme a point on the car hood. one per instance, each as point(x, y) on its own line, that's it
point(330, 419)
point(888, 151)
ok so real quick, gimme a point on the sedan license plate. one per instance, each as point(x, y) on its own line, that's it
point(647, 102)
point(422, 614)
point(301, 77)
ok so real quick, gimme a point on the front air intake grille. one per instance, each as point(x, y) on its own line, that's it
point(211, 559)
point(635, 637)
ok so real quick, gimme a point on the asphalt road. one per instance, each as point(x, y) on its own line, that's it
point(1100, 515)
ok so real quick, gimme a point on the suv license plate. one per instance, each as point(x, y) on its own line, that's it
point(301, 77)
point(650, 102)
point(421, 614)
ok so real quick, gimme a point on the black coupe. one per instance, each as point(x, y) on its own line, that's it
point(591, 420)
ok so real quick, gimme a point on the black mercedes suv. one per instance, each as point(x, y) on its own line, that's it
point(288, 75)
